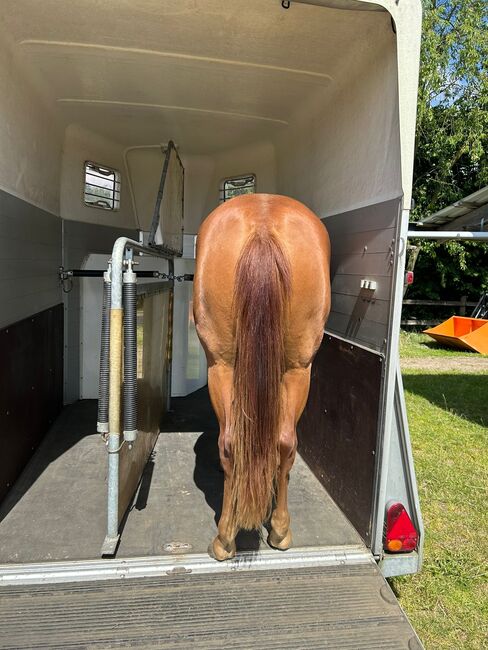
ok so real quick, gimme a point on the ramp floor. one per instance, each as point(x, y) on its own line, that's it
point(57, 509)
point(329, 607)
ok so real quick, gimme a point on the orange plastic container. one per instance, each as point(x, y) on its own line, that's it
point(461, 332)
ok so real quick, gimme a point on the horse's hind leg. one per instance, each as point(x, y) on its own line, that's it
point(220, 378)
point(296, 385)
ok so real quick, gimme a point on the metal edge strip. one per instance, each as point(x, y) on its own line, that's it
point(161, 566)
point(353, 342)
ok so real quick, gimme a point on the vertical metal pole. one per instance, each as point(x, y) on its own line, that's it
point(115, 383)
point(169, 348)
point(129, 298)
point(103, 396)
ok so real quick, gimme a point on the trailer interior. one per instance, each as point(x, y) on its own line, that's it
point(306, 102)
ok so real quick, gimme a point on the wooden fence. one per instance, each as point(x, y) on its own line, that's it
point(462, 304)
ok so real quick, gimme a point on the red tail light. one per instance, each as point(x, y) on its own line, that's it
point(401, 535)
point(409, 277)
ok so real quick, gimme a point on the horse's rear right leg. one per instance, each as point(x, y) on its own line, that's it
point(296, 384)
point(220, 380)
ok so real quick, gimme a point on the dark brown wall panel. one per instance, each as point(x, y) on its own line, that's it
point(31, 388)
point(338, 429)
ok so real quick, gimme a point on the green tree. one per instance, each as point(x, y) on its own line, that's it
point(451, 158)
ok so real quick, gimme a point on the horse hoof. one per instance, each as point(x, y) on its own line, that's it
point(278, 542)
point(221, 552)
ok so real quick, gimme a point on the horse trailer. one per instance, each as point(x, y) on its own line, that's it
point(123, 125)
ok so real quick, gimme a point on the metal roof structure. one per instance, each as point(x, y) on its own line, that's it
point(470, 213)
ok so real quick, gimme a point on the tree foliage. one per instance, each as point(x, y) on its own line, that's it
point(451, 158)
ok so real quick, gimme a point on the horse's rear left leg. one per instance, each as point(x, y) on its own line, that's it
point(220, 380)
point(296, 384)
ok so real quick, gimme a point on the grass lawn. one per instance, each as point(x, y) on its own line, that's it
point(447, 602)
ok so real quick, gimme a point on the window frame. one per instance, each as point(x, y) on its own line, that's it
point(225, 180)
point(117, 179)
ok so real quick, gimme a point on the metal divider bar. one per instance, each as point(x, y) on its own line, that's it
point(129, 295)
point(121, 256)
point(449, 234)
point(102, 423)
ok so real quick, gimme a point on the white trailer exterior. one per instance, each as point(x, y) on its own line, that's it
point(318, 102)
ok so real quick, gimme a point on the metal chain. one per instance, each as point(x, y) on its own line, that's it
point(66, 278)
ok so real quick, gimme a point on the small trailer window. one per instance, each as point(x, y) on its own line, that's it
point(237, 185)
point(102, 187)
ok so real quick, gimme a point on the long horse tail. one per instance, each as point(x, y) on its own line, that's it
point(261, 298)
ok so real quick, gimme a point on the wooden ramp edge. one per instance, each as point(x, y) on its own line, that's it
point(319, 607)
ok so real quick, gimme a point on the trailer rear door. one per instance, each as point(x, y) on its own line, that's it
point(340, 606)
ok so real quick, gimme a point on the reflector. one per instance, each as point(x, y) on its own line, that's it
point(401, 535)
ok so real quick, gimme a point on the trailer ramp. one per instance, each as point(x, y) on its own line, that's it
point(312, 607)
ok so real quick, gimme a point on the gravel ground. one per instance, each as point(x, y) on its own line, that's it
point(472, 363)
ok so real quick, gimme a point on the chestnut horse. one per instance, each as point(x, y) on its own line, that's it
point(261, 299)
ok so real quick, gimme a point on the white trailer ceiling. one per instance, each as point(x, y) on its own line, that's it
point(211, 75)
